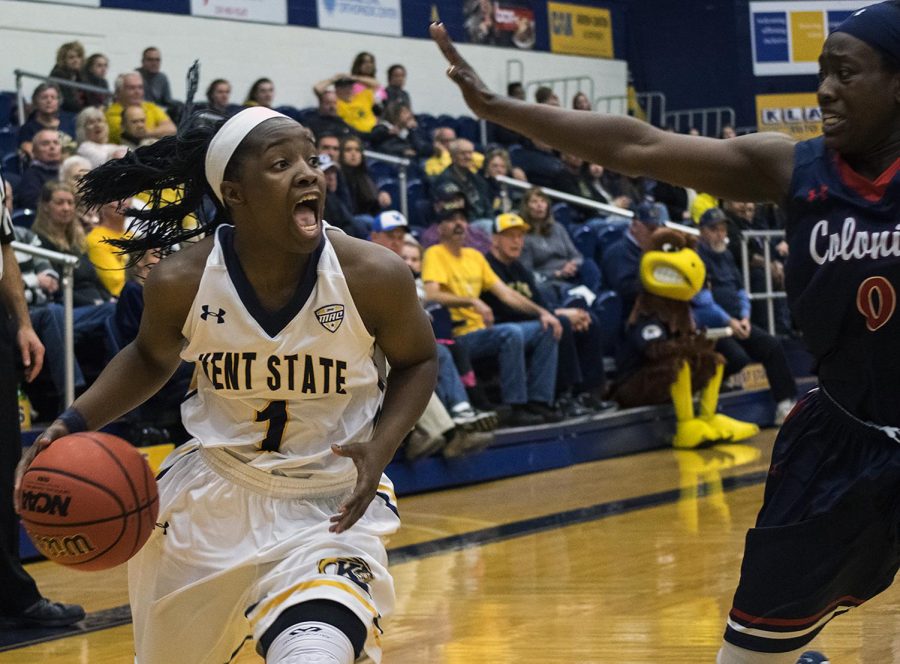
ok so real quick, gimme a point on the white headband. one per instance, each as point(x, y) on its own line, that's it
point(228, 138)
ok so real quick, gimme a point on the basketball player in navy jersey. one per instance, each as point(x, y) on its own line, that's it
point(272, 517)
point(826, 538)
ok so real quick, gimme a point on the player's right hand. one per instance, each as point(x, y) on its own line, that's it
point(51, 433)
point(475, 92)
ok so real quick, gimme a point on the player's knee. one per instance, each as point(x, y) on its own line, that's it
point(313, 623)
point(311, 643)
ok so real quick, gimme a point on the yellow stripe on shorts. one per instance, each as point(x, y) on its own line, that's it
point(305, 585)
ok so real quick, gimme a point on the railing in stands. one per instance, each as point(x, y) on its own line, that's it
point(769, 294)
point(68, 262)
point(714, 117)
point(20, 97)
point(568, 198)
point(402, 179)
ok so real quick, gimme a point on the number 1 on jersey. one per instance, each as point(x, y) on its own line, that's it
point(275, 414)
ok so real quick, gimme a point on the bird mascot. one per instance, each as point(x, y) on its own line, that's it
point(665, 357)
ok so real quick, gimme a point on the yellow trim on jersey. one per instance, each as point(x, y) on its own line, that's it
point(305, 585)
point(384, 488)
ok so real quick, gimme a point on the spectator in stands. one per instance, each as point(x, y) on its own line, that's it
point(365, 198)
point(363, 67)
point(70, 172)
point(448, 197)
point(354, 108)
point(397, 133)
point(549, 250)
point(502, 135)
point(545, 95)
point(329, 144)
point(621, 261)
point(727, 132)
point(46, 115)
point(261, 93)
point(605, 190)
point(326, 118)
point(395, 90)
point(503, 197)
point(540, 163)
point(440, 159)
point(41, 283)
point(45, 163)
point(515, 90)
point(57, 229)
point(575, 179)
point(69, 61)
point(724, 303)
point(456, 277)
point(461, 173)
point(218, 98)
point(389, 231)
point(156, 83)
point(92, 134)
point(134, 128)
point(580, 370)
point(580, 102)
point(338, 211)
point(130, 92)
point(94, 73)
point(108, 261)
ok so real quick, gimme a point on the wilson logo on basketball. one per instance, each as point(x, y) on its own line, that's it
point(64, 547)
point(330, 316)
point(46, 503)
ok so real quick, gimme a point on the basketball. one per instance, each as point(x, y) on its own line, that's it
point(89, 501)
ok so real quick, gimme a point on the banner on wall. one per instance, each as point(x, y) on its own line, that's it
point(788, 36)
point(795, 114)
point(261, 11)
point(500, 23)
point(83, 3)
point(579, 30)
point(381, 17)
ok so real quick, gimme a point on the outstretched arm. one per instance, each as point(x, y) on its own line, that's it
point(755, 167)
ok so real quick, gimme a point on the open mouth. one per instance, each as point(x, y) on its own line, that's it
point(667, 275)
point(306, 210)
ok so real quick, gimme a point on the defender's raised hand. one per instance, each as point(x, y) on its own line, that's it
point(475, 92)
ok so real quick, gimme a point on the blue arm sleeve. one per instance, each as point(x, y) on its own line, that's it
point(706, 312)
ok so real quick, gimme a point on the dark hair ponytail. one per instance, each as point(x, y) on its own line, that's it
point(173, 162)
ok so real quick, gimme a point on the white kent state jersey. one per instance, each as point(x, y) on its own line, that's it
point(277, 389)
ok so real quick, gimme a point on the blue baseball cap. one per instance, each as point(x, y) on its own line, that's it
point(388, 221)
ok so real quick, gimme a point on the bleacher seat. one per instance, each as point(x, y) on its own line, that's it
point(392, 187)
point(563, 214)
point(8, 110)
point(426, 122)
point(415, 195)
point(447, 121)
point(467, 127)
point(380, 170)
point(13, 178)
point(11, 164)
point(23, 217)
point(9, 140)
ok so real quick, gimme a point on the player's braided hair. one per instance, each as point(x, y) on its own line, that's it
point(174, 163)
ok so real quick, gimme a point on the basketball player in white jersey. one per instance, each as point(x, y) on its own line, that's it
point(272, 517)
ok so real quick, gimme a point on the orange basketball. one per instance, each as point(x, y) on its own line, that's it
point(89, 501)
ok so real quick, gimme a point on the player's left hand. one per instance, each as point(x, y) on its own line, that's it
point(369, 466)
point(475, 92)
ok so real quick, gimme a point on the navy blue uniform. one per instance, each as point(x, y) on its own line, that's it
point(826, 538)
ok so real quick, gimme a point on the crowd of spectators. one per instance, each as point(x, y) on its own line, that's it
point(527, 297)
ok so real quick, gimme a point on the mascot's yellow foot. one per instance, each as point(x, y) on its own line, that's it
point(730, 428)
point(694, 433)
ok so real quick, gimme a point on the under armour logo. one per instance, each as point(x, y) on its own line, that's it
point(164, 526)
point(304, 630)
point(819, 194)
point(220, 315)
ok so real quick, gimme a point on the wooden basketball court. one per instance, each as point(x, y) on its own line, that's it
point(627, 560)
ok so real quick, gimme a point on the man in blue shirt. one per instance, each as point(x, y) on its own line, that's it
point(725, 303)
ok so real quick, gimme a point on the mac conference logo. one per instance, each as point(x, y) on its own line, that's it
point(330, 316)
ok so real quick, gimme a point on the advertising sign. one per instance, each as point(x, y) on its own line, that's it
point(579, 30)
point(260, 11)
point(787, 36)
point(382, 17)
point(795, 114)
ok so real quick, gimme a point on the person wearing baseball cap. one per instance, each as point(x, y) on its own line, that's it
point(580, 368)
point(389, 229)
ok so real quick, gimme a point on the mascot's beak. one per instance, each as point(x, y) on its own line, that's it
point(675, 275)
